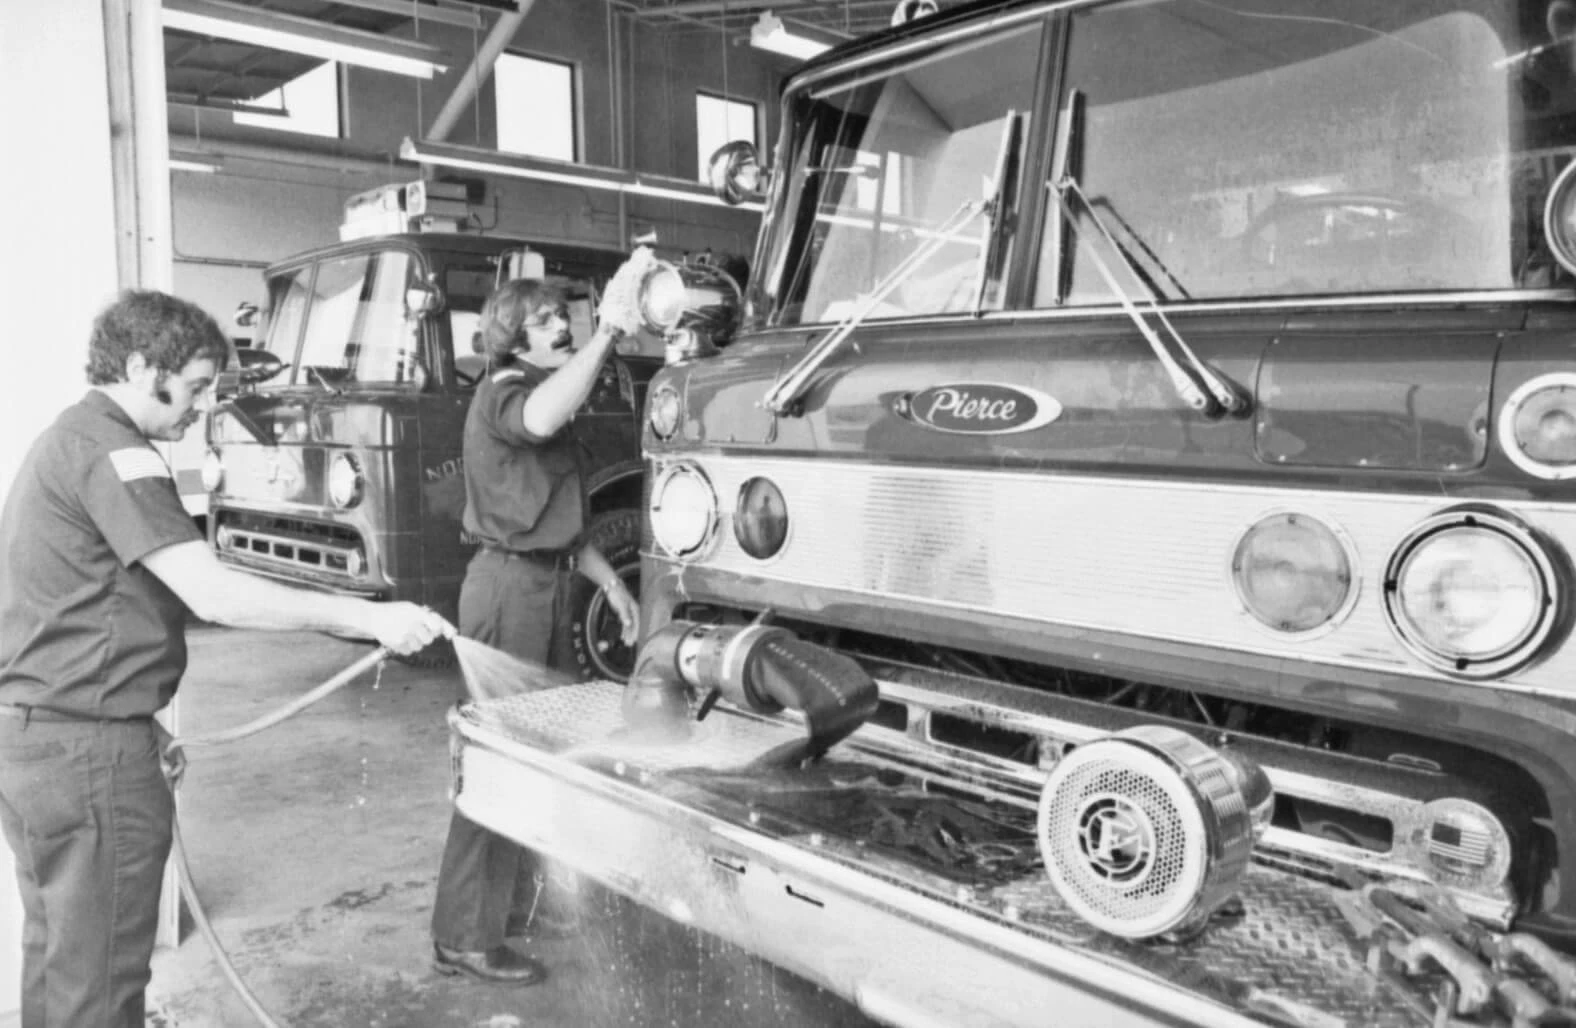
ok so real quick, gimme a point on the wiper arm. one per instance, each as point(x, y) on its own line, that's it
point(1219, 392)
point(312, 372)
point(1005, 186)
point(785, 394)
point(1138, 240)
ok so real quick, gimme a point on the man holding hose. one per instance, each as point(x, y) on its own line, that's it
point(99, 565)
point(525, 502)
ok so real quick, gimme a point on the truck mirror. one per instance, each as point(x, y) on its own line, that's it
point(736, 174)
point(422, 299)
point(251, 367)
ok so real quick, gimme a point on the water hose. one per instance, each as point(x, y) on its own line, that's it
point(173, 769)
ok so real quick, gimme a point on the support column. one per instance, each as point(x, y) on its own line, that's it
point(58, 185)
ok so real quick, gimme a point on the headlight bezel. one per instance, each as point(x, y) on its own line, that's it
point(1530, 643)
point(212, 471)
point(335, 488)
point(707, 535)
point(1509, 439)
point(1343, 543)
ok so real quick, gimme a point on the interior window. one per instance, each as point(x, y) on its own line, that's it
point(886, 164)
point(1291, 148)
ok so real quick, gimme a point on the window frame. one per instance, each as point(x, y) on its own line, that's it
point(576, 103)
point(756, 113)
point(288, 123)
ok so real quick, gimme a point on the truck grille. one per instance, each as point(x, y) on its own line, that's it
point(298, 544)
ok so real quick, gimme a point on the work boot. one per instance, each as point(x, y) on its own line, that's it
point(500, 965)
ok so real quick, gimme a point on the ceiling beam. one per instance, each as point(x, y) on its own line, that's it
point(466, 19)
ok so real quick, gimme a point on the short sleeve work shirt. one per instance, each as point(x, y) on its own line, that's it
point(85, 628)
point(522, 492)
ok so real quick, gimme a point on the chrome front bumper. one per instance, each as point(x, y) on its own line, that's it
point(908, 946)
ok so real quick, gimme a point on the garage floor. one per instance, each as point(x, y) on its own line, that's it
point(315, 848)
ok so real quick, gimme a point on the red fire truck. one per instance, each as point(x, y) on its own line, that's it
point(1114, 563)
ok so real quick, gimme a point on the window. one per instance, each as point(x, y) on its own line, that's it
point(1232, 150)
point(357, 327)
point(719, 121)
point(311, 100)
point(887, 181)
point(536, 106)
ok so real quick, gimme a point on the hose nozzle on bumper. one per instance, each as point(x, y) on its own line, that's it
point(757, 667)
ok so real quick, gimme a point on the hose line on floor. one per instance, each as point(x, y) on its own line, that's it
point(173, 766)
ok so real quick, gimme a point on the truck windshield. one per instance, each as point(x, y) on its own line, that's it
point(883, 161)
point(356, 327)
point(1240, 148)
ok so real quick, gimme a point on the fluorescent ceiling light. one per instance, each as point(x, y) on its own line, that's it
point(769, 33)
point(588, 176)
point(307, 36)
point(203, 163)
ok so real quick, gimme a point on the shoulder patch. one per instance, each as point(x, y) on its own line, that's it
point(138, 462)
point(503, 373)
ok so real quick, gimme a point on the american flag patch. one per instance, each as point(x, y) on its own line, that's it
point(138, 462)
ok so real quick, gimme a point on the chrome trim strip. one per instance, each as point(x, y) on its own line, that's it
point(963, 541)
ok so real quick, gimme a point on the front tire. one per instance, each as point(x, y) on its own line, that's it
point(595, 628)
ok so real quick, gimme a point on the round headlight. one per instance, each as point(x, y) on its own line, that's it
point(1537, 428)
point(683, 511)
point(1293, 573)
point(1559, 218)
point(344, 481)
point(662, 298)
point(1471, 592)
point(760, 523)
point(212, 471)
point(664, 412)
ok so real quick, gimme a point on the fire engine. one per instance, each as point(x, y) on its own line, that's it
point(1113, 563)
point(335, 460)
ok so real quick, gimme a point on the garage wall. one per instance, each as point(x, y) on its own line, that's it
point(228, 225)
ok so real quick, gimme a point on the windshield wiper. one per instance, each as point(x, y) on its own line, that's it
point(1005, 181)
point(313, 373)
point(1198, 384)
point(783, 398)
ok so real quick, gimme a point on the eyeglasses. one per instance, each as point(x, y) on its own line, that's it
point(547, 315)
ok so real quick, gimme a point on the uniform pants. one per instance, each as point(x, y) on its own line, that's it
point(87, 814)
point(520, 607)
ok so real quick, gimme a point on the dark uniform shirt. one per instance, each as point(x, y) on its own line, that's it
point(522, 492)
point(84, 627)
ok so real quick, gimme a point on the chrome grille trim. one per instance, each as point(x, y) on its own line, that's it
point(1149, 557)
point(282, 551)
point(1408, 818)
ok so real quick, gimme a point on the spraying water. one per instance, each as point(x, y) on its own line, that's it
point(494, 675)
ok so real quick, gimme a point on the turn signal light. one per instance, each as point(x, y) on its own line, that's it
point(1293, 573)
point(760, 523)
point(212, 471)
point(1537, 428)
point(664, 412)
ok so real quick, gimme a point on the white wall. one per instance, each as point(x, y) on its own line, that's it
point(60, 267)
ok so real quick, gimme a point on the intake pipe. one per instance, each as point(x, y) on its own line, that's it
point(756, 667)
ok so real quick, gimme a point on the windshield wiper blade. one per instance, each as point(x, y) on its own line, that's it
point(1215, 392)
point(1004, 186)
point(783, 397)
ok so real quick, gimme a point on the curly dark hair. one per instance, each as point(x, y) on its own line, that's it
point(506, 311)
point(169, 333)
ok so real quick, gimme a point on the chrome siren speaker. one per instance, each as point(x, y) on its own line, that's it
point(1147, 832)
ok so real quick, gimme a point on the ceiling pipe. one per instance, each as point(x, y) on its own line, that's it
point(470, 83)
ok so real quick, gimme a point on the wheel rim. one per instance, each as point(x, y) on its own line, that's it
point(604, 648)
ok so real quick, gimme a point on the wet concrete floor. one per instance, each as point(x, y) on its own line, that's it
point(315, 848)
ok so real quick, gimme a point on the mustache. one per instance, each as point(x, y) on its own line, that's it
point(564, 342)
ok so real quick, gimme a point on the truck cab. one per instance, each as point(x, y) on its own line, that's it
point(335, 458)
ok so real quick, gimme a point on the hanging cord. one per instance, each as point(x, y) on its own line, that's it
point(174, 769)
